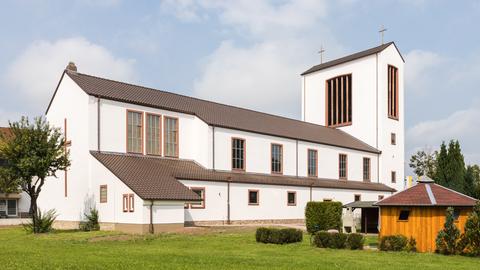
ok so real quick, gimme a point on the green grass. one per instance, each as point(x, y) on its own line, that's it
point(204, 249)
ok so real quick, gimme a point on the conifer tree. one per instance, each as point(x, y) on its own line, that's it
point(442, 162)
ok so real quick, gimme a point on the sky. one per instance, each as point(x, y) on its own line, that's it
point(248, 53)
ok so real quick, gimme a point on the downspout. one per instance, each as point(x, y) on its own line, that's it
point(228, 201)
point(213, 147)
point(311, 187)
point(304, 99)
point(151, 218)
point(296, 167)
point(376, 118)
point(98, 124)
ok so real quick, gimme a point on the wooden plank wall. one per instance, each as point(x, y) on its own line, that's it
point(423, 224)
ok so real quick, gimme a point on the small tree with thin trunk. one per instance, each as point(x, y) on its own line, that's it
point(34, 153)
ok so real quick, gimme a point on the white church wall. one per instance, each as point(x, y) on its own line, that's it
point(393, 156)
point(70, 102)
point(164, 212)
point(194, 133)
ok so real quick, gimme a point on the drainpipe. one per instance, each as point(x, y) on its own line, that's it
point(213, 148)
point(151, 218)
point(296, 141)
point(376, 118)
point(98, 124)
point(228, 200)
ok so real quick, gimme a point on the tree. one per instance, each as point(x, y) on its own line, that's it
point(448, 238)
point(424, 163)
point(442, 162)
point(472, 231)
point(8, 184)
point(451, 167)
point(472, 181)
point(35, 151)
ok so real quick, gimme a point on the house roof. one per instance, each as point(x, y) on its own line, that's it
point(157, 177)
point(361, 204)
point(218, 115)
point(5, 132)
point(427, 193)
point(351, 57)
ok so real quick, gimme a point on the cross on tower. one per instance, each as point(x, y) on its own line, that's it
point(67, 144)
point(382, 31)
point(321, 54)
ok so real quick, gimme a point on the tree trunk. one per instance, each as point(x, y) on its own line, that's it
point(34, 209)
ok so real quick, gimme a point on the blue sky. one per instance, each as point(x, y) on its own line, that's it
point(247, 53)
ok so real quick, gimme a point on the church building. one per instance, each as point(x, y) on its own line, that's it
point(152, 160)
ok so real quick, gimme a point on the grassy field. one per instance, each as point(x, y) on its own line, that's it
point(220, 248)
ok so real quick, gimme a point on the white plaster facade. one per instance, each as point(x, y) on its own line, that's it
point(100, 125)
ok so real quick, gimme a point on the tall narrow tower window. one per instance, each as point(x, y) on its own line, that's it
point(393, 92)
point(338, 98)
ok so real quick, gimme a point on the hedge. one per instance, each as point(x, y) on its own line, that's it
point(355, 241)
point(330, 240)
point(278, 236)
point(323, 216)
point(393, 243)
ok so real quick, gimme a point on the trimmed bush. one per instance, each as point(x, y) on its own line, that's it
point(448, 238)
point(330, 240)
point(393, 243)
point(278, 236)
point(411, 245)
point(323, 216)
point(355, 241)
point(471, 239)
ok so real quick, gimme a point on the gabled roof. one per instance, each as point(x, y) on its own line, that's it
point(428, 194)
point(157, 177)
point(352, 57)
point(218, 115)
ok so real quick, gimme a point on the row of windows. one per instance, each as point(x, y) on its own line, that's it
point(338, 98)
point(128, 200)
point(153, 137)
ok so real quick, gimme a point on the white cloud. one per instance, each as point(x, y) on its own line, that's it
point(423, 68)
point(33, 75)
point(462, 125)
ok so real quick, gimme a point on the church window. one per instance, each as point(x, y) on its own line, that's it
point(134, 132)
point(312, 163)
point(277, 158)
point(154, 128)
point(171, 137)
point(238, 154)
point(291, 198)
point(339, 101)
point(201, 193)
point(392, 92)
point(366, 169)
point(342, 166)
point(253, 197)
point(103, 193)
point(393, 139)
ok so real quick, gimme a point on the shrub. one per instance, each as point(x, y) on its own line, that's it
point(323, 216)
point(278, 236)
point(447, 238)
point(44, 222)
point(355, 241)
point(472, 232)
point(411, 245)
point(91, 223)
point(393, 243)
point(330, 240)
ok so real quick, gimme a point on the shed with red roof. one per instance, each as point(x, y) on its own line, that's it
point(419, 212)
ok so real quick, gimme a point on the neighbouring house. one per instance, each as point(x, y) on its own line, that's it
point(12, 205)
point(420, 211)
point(152, 160)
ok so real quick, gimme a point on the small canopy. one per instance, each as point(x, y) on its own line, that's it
point(361, 204)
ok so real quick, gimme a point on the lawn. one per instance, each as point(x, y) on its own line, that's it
point(219, 248)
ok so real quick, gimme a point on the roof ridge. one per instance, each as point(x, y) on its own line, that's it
point(194, 98)
point(430, 194)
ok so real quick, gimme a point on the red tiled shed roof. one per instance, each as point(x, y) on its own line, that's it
point(428, 194)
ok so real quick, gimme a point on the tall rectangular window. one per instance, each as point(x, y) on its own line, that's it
point(366, 169)
point(394, 177)
point(392, 92)
point(277, 158)
point(238, 154)
point(154, 128)
point(312, 163)
point(338, 99)
point(134, 132)
point(171, 136)
point(342, 166)
point(393, 138)
point(103, 193)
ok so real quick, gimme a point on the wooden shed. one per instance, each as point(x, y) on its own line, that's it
point(419, 212)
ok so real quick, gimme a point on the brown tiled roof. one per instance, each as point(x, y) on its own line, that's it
point(351, 57)
point(5, 132)
point(428, 194)
point(157, 177)
point(218, 115)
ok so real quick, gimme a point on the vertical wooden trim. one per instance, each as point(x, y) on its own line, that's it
point(327, 105)
point(397, 95)
point(393, 92)
point(147, 127)
point(244, 154)
point(281, 158)
point(337, 99)
point(294, 197)
point(341, 100)
point(202, 206)
point(347, 87)
point(341, 111)
point(177, 138)
point(258, 196)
